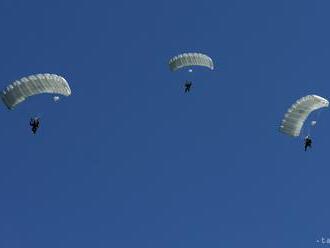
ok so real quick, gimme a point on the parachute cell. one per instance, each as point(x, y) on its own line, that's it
point(19, 90)
point(190, 59)
point(297, 114)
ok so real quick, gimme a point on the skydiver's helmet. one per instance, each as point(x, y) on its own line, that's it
point(36, 119)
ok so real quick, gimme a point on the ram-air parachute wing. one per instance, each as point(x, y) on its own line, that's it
point(190, 59)
point(19, 90)
point(297, 114)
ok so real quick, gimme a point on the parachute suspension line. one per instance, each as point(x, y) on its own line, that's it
point(36, 114)
point(311, 125)
point(318, 115)
point(316, 119)
point(309, 130)
point(302, 133)
point(191, 75)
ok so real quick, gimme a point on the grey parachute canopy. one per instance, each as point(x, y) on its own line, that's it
point(20, 90)
point(190, 59)
point(297, 114)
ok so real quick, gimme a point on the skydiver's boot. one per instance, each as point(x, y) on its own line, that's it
point(308, 145)
point(187, 88)
point(34, 130)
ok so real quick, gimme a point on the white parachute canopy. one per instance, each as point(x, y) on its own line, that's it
point(297, 114)
point(19, 90)
point(190, 59)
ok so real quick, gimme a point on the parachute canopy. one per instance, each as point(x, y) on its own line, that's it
point(297, 114)
point(190, 59)
point(19, 90)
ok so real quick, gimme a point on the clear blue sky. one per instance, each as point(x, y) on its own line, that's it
point(129, 160)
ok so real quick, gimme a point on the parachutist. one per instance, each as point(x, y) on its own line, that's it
point(308, 142)
point(297, 114)
point(188, 60)
point(187, 86)
point(34, 123)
